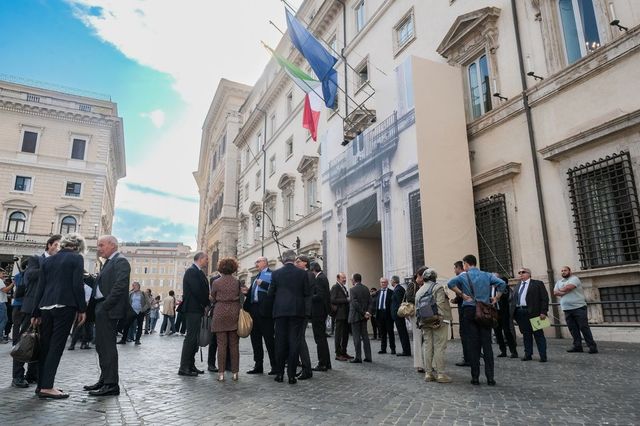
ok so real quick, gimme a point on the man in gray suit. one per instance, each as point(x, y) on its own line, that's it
point(111, 294)
point(360, 308)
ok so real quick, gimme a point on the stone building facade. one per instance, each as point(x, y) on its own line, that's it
point(61, 156)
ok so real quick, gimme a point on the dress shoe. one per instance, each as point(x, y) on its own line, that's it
point(355, 361)
point(501, 355)
point(138, 342)
point(593, 350)
point(382, 352)
point(347, 356)
point(213, 369)
point(293, 380)
point(85, 346)
point(543, 359)
point(527, 358)
point(403, 354)
point(71, 348)
point(475, 382)
point(304, 376)
point(514, 355)
point(575, 350)
point(271, 373)
point(393, 351)
point(121, 342)
point(463, 364)
point(187, 373)
point(61, 395)
point(319, 368)
point(255, 371)
point(491, 382)
point(19, 382)
point(279, 378)
point(367, 360)
point(341, 358)
point(31, 380)
point(95, 386)
point(106, 390)
point(195, 370)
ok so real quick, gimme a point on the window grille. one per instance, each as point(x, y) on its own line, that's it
point(494, 246)
point(33, 98)
point(415, 219)
point(84, 107)
point(620, 312)
point(605, 209)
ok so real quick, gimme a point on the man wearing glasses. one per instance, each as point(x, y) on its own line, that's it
point(530, 300)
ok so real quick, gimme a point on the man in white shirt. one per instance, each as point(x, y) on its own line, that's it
point(4, 289)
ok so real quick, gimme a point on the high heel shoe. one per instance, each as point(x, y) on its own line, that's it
point(234, 377)
point(221, 378)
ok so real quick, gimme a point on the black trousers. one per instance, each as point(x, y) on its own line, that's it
point(82, 333)
point(341, 337)
point(478, 338)
point(181, 323)
point(385, 324)
point(213, 348)
point(360, 339)
point(305, 359)
point(263, 330)
point(403, 334)
point(319, 326)
point(288, 332)
point(578, 322)
point(374, 325)
point(21, 323)
point(504, 331)
point(190, 343)
point(54, 330)
point(106, 346)
point(465, 356)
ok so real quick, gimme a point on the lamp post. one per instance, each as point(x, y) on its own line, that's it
point(264, 176)
point(95, 230)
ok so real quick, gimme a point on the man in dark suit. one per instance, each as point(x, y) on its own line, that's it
point(302, 262)
point(320, 308)
point(195, 299)
point(384, 318)
point(360, 308)
point(291, 295)
point(401, 323)
point(260, 306)
point(504, 332)
point(530, 300)
point(111, 294)
point(30, 282)
point(340, 300)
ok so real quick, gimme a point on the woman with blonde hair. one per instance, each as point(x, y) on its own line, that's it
point(225, 294)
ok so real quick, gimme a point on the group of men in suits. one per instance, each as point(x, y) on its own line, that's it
point(387, 301)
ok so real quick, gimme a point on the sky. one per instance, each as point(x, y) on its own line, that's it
point(160, 61)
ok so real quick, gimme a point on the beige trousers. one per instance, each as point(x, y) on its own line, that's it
point(418, 359)
point(433, 346)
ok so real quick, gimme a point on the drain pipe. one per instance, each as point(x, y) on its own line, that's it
point(536, 167)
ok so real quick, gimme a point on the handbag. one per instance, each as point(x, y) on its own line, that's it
point(245, 323)
point(486, 314)
point(28, 347)
point(406, 309)
point(204, 335)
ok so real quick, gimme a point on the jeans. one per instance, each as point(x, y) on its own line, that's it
point(477, 338)
point(3, 318)
point(578, 322)
point(164, 324)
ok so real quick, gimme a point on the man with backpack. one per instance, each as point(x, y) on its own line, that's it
point(433, 313)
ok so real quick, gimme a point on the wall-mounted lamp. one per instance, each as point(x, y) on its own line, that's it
point(496, 93)
point(615, 22)
point(51, 231)
point(532, 73)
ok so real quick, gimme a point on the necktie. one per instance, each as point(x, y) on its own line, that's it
point(521, 290)
point(344, 289)
point(382, 296)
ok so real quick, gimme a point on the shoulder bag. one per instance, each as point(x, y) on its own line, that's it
point(245, 322)
point(486, 314)
point(28, 347)
point(406, 309)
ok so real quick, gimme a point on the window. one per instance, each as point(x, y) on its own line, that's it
point(312, 194)
point(415, 222)
point(23, 183)
point(258, 142)
point(360, 16)
point(605, 212)
point(258, 179)
point(77, 151)
point(246, 191)
point(272, 165)
point(247, 158)
point(288, 208)
point(29, 141)
point(288, 148)
point(17, 222)
point(333, 44)
point(362, 74)
point(273, 124)
point(620, 312)
point(73, 189)
point(289, 102)
point(68, 224)
point(479, 90)
point(492, 229)
point(579, 28)
point(404, 31)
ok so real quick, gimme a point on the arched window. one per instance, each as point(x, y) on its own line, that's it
point(17, 221)
point(68, 225)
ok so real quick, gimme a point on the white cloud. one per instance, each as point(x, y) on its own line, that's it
point(156, 116)
point(197, 42)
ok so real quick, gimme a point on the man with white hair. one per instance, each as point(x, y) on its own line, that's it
point(110, 291)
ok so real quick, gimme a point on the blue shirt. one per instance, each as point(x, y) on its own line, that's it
point(482, 282)
point(17, 280)
point(136, 301)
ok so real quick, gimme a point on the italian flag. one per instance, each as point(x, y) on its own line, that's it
point(313, 101)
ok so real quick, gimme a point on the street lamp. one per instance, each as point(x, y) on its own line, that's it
point(95, 230)
point(264, 176)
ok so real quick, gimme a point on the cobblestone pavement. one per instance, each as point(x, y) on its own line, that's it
point(569, 389)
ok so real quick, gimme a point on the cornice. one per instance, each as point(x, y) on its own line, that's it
point(504, 171)
point(48, 112)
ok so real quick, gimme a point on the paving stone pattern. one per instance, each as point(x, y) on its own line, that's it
point(571, 389)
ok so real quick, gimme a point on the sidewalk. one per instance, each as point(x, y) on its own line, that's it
point(569, 389)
